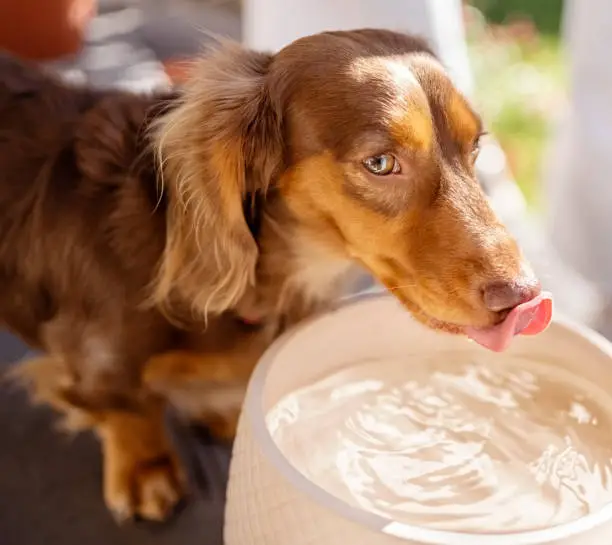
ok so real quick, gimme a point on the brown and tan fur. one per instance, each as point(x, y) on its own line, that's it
point(128, 246)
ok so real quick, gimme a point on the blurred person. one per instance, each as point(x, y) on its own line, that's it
point(270, 25)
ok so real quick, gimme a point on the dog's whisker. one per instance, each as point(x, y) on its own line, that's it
point(400, 287)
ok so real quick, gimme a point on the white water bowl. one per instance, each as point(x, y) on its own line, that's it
point(269, 501)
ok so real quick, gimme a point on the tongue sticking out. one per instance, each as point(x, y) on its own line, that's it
point(529, 318)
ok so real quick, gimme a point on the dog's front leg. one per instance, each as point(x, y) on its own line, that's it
point(142, 477)
point(142, 474)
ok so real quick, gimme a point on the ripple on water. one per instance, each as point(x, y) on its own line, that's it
point(454, 443)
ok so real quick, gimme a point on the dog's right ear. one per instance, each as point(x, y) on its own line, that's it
point(220, 145)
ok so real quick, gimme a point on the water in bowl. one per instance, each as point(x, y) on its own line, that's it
point(454, 443)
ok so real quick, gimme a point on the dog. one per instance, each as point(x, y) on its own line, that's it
point(153, 246)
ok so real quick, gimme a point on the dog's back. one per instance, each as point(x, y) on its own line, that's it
point(77, 199)
point(37, 116)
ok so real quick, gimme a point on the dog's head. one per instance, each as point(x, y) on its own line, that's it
point(370, 147)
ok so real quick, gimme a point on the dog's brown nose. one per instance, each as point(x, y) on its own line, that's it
point(503, 295)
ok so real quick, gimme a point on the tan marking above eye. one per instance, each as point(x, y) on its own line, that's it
point(413, 129)
point(464, 125)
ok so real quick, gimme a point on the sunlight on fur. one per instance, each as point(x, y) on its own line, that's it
point(201, 147)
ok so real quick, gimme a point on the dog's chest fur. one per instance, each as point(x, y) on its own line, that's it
point(319, 274)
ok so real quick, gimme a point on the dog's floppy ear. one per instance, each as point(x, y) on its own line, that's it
point(221, 143)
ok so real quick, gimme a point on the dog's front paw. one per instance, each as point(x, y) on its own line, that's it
point(143, 489)
point(142, 473)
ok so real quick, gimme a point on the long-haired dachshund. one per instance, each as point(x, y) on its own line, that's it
point(152, 246)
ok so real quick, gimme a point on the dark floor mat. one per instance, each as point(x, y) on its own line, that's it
point(50, 484)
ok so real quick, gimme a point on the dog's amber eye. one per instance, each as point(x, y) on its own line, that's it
point(382, 165)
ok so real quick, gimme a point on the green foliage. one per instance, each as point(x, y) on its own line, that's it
point(546, 14)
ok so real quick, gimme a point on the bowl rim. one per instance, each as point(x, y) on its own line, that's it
point(254, 411)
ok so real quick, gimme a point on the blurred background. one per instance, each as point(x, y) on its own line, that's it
point(520, 74)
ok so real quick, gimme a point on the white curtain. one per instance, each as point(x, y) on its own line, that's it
point(579, 173)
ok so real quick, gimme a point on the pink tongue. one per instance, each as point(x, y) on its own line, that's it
point(529, 318)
